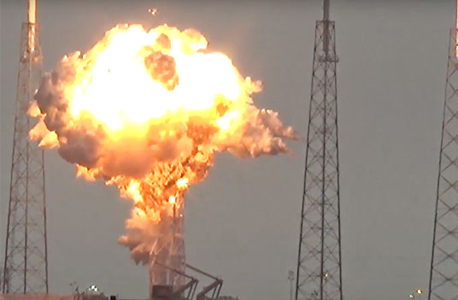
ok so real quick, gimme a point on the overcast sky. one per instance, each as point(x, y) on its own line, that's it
point(242, 223)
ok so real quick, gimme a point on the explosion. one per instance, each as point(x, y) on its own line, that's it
point(147, 111)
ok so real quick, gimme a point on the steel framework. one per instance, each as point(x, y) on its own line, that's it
point(26, 261)
point(167, 259)
point(319, 272)
point(443, 283)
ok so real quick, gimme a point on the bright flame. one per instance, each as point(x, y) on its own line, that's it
point(146, 111)
point(182, 183)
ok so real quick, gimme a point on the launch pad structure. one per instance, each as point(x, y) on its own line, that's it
point(167, 259)
point(167, 268)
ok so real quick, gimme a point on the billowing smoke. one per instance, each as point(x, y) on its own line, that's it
point(147, 111)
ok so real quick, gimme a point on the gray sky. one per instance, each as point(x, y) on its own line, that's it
point(242, 223)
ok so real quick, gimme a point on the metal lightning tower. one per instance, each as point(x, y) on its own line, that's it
point(26, 262)
point(443, 282)
point(319, 272)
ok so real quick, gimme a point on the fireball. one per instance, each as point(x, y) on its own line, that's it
point(147, 111)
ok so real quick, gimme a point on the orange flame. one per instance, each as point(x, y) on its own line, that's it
point(147, 110)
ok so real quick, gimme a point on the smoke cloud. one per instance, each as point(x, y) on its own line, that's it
point(147, 111)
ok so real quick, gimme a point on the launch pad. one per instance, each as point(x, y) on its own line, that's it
point(187, 289)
